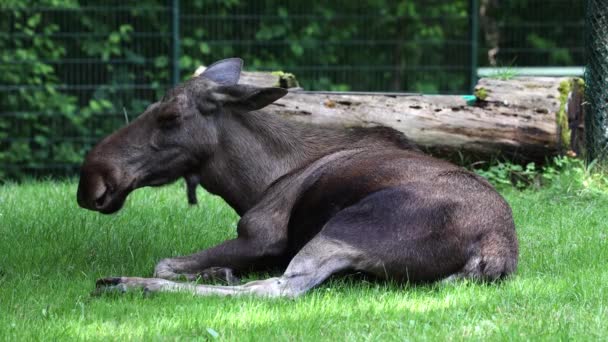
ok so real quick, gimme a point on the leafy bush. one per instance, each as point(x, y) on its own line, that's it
point(54, 107)
point(565, 173)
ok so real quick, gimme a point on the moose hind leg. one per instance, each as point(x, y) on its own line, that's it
point(495, 258)
point(315, 262)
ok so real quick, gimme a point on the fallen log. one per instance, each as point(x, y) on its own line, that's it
point(523, 119)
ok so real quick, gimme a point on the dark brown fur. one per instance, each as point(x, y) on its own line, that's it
point(318, 200)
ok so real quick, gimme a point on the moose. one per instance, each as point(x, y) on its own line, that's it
point(314, 201)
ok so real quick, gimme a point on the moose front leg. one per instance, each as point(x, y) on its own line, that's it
point(262, 232)
point(220, 262)
point(192, 182)
point(260, 245)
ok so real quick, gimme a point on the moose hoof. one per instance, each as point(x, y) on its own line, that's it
point(219, 275)
point(165, 269)
point(113, 285)
point(110, 281)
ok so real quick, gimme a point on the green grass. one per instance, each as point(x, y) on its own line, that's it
point(504, 73)
point(51, 252)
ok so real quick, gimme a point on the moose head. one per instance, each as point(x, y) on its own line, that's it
point(170, 139)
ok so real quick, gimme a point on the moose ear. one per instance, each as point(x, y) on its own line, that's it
point(224, 72)
point(246, 97)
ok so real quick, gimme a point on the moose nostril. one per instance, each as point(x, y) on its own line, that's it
point(96, 187)
point(101, 199)
point(102, 195)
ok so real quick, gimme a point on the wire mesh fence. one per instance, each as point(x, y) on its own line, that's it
point(68, 75)
point(71, 70)
point(596, 80)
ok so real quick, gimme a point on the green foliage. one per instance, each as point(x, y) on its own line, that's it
point(532, 35)
point(508, 174)
point(504, 73)
point(561, 115)
point(28, 68)
point(481, 93)
point(384, 40)
point(47, 125)
point(557, 56)
point(579, 175)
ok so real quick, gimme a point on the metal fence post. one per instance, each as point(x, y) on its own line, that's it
point(596, 80)
point(474, 39)
point(175, 43)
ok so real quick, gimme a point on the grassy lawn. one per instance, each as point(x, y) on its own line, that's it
point(51, 252)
